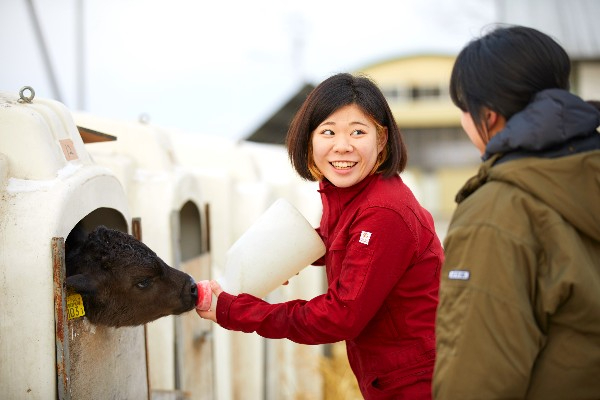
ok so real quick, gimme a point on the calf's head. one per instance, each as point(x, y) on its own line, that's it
point(123, 282)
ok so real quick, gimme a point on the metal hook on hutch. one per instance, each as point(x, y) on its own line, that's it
point(26, 99)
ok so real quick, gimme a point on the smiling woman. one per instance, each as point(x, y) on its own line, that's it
point(347, 145)
point(382, 254)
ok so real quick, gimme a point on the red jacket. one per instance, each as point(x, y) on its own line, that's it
point(383, 261)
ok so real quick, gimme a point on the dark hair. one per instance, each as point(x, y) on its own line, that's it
point(331, 94)
point(504, 69)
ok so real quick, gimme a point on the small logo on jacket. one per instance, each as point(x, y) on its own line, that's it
point(459, 275)
point(365, 237)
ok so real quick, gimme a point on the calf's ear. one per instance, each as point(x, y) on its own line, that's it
point(76, 238)
point(82, 284)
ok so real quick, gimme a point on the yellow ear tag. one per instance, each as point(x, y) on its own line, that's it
point(75, 306)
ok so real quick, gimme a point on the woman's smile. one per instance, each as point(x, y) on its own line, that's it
point(343, 164)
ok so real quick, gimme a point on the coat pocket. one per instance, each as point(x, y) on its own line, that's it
point(412, 383)
point(355, 265)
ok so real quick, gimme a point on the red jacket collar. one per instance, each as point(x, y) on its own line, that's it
point(345, 195)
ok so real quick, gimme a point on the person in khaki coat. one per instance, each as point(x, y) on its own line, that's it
point(519, 310)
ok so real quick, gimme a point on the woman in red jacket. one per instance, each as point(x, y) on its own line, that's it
point(383, 256)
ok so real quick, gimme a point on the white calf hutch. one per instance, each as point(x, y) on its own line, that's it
point(48, 183)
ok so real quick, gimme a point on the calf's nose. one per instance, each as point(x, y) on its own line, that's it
point(193, 290)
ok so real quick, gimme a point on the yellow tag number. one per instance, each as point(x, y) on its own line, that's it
point(75, 306)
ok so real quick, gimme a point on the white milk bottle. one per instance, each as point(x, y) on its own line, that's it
point(275, 248)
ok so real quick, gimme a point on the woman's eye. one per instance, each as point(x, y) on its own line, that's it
point(143, 284)
point(327, 132)
point(357, 132)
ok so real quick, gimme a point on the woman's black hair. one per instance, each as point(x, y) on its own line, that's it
point(333, 93)
point(504, 69)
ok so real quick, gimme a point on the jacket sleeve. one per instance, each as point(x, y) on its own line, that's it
point(486, 331)
point(364, 274)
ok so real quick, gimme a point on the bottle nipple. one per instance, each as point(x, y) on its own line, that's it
point(204, 295)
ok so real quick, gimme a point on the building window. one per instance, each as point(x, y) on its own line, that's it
point(425, 93)
point(397, 94)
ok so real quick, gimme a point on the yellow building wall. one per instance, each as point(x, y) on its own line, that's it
point(418, 71)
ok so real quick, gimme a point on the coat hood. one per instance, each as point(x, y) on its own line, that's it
point(554, 118)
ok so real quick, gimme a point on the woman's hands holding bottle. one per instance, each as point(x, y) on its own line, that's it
point(212, 313)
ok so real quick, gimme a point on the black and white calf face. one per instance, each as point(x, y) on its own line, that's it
point(122, 281)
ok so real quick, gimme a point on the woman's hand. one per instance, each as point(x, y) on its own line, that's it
point(212, 313)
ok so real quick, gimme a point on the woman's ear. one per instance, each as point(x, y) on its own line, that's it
point(382, 138)
point(494, 121)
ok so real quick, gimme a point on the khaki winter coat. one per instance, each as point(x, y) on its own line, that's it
point(519, 312)
point(533, 281)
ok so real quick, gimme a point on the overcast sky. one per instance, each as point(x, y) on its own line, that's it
point(219, 67)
